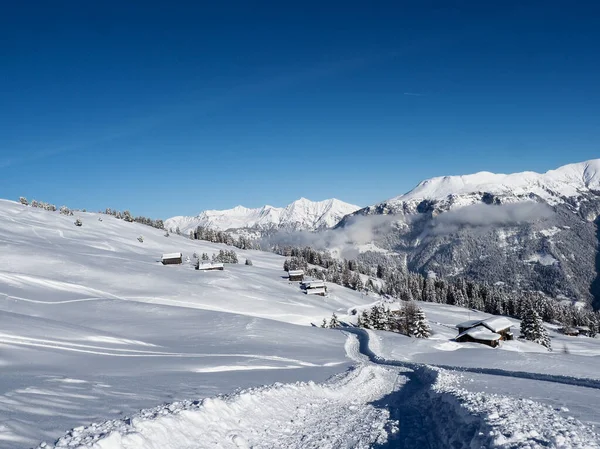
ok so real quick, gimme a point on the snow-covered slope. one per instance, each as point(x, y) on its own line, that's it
point(302, 214)
point(94, 328)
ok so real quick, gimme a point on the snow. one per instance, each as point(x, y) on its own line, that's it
point(210, 266)
point(172, 256)
point(302, 214)
point(295, 273)
point(569, 180)
point(92, 304)
point(542, 259)
point(315, 291)
point(480, 333)
point(95, 336)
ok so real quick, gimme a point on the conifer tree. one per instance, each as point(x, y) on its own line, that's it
point(532, 329)
point(421, 328)
point(365, 320)
point(333, 323)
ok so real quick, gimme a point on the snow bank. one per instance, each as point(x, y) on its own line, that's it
point(505, 421)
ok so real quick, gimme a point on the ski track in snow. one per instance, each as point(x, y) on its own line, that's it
point(378, 403)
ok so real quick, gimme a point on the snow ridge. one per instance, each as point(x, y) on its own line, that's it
point(569, 180)
point(302, 214)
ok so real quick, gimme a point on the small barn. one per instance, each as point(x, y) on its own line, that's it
point(569, 331)
point(295, 275)
point(210, 266)
point(488, 332)
point(480, 335)
point(314, 287)
point(321, 291)
point(584, 330)
point(172, 259)
point(497, 324)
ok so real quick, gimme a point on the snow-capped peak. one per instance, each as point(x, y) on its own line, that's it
point(302, 214)
point(569, 180)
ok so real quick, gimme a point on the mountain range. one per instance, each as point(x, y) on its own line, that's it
point(528, 230)
point(301, 215)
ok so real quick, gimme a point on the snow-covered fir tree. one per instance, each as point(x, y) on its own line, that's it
point(532, 329)
point(334, 322)
point(421, 327)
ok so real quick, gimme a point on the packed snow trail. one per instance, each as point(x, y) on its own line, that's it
point(434, 412)
point(338, 413)
point(379, 403)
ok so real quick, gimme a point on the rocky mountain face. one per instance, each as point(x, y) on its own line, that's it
point(529, 230)
point(302, 215)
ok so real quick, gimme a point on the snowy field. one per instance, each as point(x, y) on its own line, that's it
point(93, 327)
point(96, 336)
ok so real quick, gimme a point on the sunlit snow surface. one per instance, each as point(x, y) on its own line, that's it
point(94, 329)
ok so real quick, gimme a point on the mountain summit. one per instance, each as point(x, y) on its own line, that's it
point(302, 214)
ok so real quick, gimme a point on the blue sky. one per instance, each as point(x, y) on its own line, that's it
point(169, 108)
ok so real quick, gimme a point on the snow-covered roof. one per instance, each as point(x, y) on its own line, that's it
point(296, 272)
point(494, 324)
point(480, 333)
point(315, 291)
point(497, 323)
point(172, 256)
point(208, 266)
point(467, 324)
point(314, 284)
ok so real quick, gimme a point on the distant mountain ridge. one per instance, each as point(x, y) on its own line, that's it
point(302, 214)
point(544, 234)
point(562, 185)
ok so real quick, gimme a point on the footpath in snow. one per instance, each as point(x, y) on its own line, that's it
point(379, 403)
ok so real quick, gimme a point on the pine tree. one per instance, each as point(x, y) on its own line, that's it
point(365, 320)
point(421, 328)
point(532, 329)
point(333, 323)
point(324, 323)
point(23, 201)
point(78, 222)
point(248, 262)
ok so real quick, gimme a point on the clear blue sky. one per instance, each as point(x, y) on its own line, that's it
point(169, 108)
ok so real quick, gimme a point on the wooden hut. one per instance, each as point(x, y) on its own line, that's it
point(496, 324)
point(480, 335)
point(210, 266)
point(314, 287)
point(172, 259)
point(295, 275)
point(321, 291)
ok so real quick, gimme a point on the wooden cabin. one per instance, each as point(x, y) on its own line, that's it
point(480, 335)
point(314, 287)
point(172, 259)
point(496, 324)
point(569, 331)
point(584, 330)
point(321, 291)
point(295, 275)
point(210, 266)
point(488, 332)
